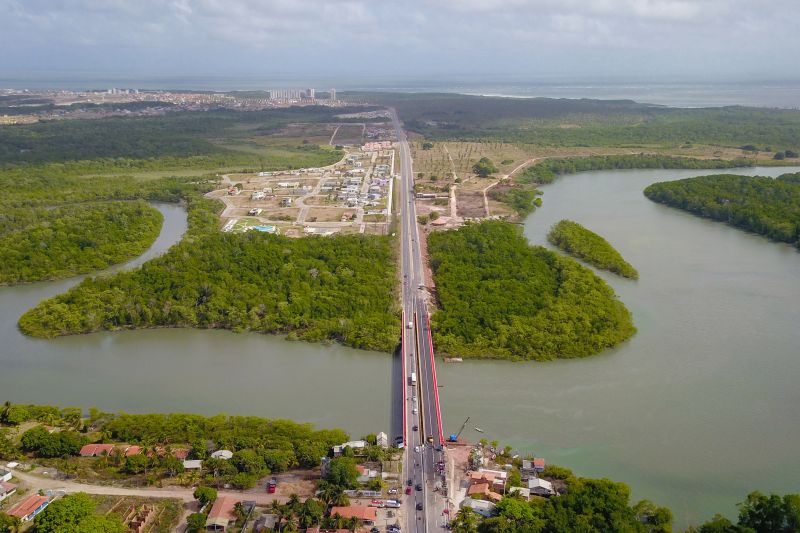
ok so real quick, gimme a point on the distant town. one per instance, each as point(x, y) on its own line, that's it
point(29, 106)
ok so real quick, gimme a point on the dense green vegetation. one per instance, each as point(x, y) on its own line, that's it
point(218, 134)
point(76, 513)
point(766, 206)
point(522, 199)
point(759, 513)
point(547, 170)
point(74, 239)
point(583, 122)
point(589, 246)
point(314, 289)
point(558, 309)
point(600, 505)
point(484, 167)
point(260, 446)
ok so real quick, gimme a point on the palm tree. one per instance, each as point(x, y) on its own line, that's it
point(6, 409)
point(285, 513)
point(294, 502)
point(352, 523)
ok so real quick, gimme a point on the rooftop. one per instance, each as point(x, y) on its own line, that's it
point(28, 505)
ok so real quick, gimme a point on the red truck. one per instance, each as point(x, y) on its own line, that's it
point(272, 484)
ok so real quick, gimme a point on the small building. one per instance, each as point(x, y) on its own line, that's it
point(29, 507)
point(96, 450)
point(254, 212)
point(286, 201)
point(222, 454)
point(364, 513)
point(382, 440)
point(221, 514)
point(132, 450)
point(525, 492)
point(353, 445)
point(532, 466)
point(6, 489)
point(258, 195)
point(540, 487)
point(193, 464)
point(5, 475)
point(482, 507)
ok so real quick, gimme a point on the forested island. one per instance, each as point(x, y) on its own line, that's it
point(547, 170)
point(314, 289)
point(767, 206)
point(591, 247)
point(501, 298)
point(74, 239)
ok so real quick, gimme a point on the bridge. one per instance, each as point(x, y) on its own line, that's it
point(418, 391)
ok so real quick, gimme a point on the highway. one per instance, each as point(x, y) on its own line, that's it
point(422, 420)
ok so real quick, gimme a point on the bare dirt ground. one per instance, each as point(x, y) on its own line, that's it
point(470, 204)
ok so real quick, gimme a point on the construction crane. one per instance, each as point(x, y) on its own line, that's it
point(454, 438)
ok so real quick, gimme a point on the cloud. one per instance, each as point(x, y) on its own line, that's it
point(386, 36)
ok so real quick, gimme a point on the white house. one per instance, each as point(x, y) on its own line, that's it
point(193, 464)
point(353, 445)
point(382, 439)
point(6, 490)
point(5, 475)
point(222, 454)
point(540, 487)
point(482, 507)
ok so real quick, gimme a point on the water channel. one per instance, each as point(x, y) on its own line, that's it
point(694, 412)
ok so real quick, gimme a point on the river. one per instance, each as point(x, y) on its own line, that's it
point(198, 371)
point(699, 408)
point(694, 412)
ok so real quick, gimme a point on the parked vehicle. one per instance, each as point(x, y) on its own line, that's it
point(272, 486)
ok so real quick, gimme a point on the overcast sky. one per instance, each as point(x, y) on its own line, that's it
point(541, 39)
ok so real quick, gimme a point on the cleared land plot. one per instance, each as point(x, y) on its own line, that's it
point(349, 134)
point(331, 214)
point(163, 516)
point(470, 204)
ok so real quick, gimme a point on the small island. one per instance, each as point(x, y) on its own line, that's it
point(763, 205)
point(499, 297)
point(584, 244)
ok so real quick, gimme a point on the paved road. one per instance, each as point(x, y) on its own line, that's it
point(423, 445)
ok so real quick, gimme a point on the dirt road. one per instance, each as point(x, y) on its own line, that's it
point(180, 493)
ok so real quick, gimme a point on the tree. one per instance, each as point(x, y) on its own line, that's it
point(75, 513)
point(342, 471)
point(205, 495)
point(779, 156)
point(136, 464)
point(718, 524)
point(310, 513)
point(514, 478)
point(657, 519)
point(484, 167)
point(248, 461)
point(196, 522)
point(770, 514)
point(172, 465)
point(465, 521)
point(9, 524)
point(427, 145)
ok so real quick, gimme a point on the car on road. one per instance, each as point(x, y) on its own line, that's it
point(410, 482)
point(393, 490)
point(415, 428)
point(376, 503)
point(415, 410)
point(408, 490)
point(374, 530)
point(419, 486)
point(416, 449)
point(419, 506)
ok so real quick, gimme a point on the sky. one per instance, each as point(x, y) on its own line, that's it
point(661, 40)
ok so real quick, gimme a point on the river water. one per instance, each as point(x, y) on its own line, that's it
point(694, 412)
point(700, 407)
